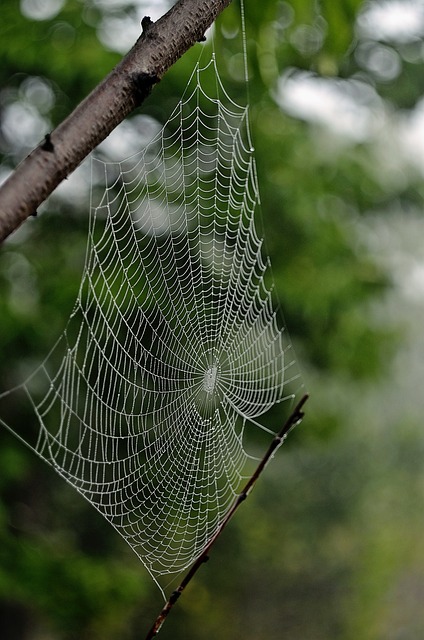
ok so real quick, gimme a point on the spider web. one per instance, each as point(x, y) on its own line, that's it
point(173, 350)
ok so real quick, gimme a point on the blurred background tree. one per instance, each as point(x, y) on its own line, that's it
point(330, 543)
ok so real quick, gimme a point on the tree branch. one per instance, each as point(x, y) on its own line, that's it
point(124, 89)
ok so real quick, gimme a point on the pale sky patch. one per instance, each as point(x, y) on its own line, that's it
point(119, 29)
point(393, 20)
point(347, 108)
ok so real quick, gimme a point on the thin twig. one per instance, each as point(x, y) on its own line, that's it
point(294, 419)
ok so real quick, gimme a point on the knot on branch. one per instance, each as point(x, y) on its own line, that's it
point(142, 84)
point(48, 144)
point(146, 23)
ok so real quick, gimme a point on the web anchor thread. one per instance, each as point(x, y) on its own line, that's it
point(292, 421)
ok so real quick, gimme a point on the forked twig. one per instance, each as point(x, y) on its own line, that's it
point(294, 419)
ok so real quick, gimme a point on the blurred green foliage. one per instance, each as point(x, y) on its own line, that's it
point(330, 543)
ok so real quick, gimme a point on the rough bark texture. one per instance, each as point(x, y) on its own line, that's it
point(124, 89)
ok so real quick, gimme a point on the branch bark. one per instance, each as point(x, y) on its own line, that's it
point(160, 45)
